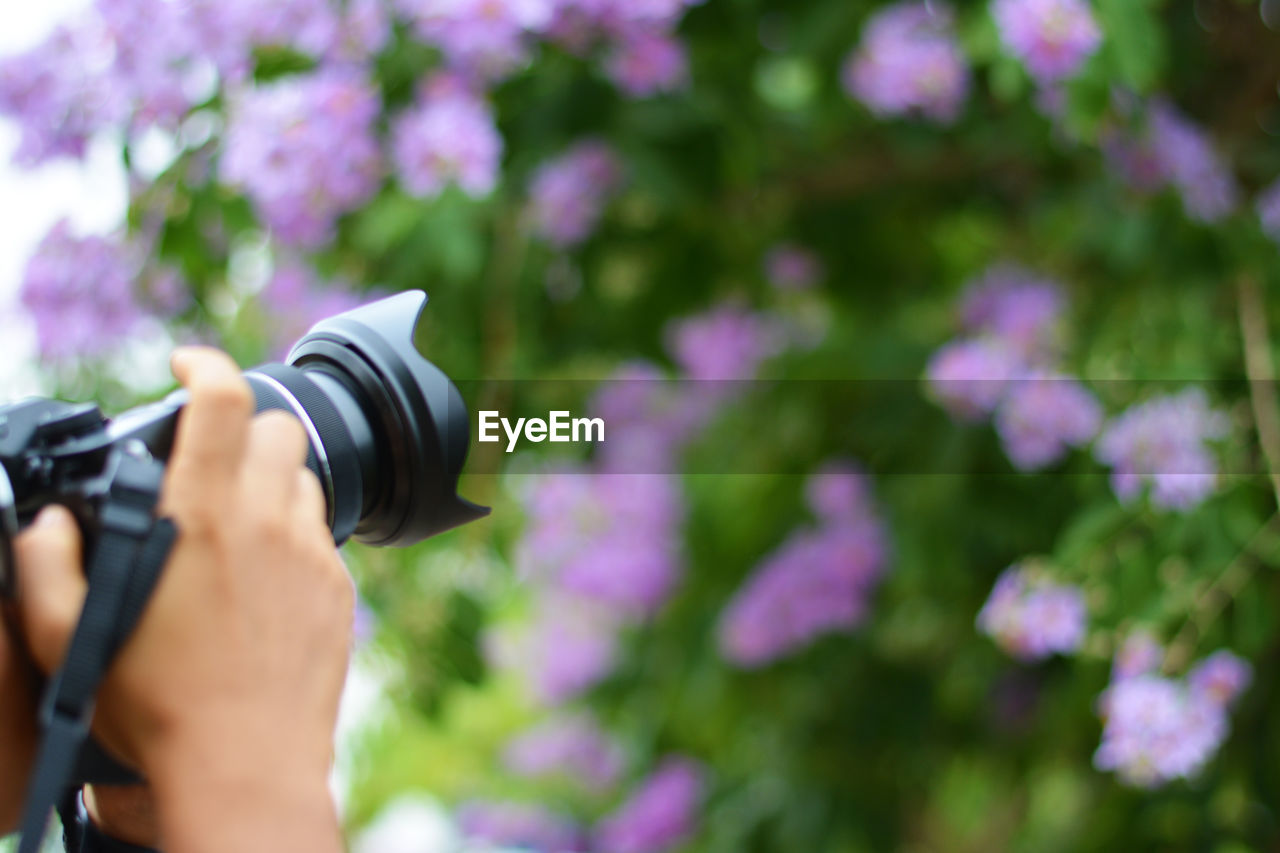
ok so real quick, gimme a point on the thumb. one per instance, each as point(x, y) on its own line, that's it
point(51, 584)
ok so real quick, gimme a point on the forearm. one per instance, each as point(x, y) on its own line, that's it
point(211, 800)
point(17, 751)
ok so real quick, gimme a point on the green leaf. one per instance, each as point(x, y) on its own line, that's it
point(386, 222)
point(1135, 42)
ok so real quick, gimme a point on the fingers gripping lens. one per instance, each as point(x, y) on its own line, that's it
point(388, 430)
point(332, 455)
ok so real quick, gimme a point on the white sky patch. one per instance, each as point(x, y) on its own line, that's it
point(92, 195)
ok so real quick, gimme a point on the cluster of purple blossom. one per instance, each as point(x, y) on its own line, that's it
point(817, 582)
point(1006, 367)
point(449, 136)
point(602, 545)
point(602, 549)
point(528, 826)
point(1163, 442)
point(144, 63)
point(643, 56)
point(303, 150)
point(573, 745)
point(909, 62)
point(1157, 729)
point(87, 295)
point(658, 814)
point(1031, 617)
point(1169, 150)
point(488, 39)
point(608, 538)
point(1052, 38)
point(652, 418)
point(567, 194)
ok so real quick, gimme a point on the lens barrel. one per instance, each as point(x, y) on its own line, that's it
point(388, 431)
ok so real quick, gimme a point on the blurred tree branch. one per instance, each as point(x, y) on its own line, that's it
point(1262, 376)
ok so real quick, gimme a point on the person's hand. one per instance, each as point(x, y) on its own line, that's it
point(226, 696)
point(17, 729)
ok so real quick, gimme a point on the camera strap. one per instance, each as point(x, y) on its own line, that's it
point(128, 556)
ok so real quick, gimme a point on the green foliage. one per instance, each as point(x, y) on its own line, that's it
point(913, 732)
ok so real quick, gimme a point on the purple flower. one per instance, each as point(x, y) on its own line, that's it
point(523, 825)
point(59, 103)
point(650, 419)
point(1170, 150)
point(969, 377)
point(1020, 308)
point(1053, 38)
point(661, 814)
point(908, 62)
point(1156, 730)
point(1269, 211)
point(1032, 618)
point(572, 745)
point(1209, 190)
point(568, 646)
point(310, 26)
point(1162, 442)
point(156, 67)
point(483, 38)
point(837, 491)
point(1044, 414)
point(578, 23)
point(1220, 678)
point(728, 342)
point(609, 538)
point(303, 150)
point(448, 137)
point(79, 291)
point(645, 63)
point(226, 32)
point(365, 30)
point(568, 194)
point(791, 267)
point(818, 581)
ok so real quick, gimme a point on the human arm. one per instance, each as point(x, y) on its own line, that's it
point(226, 695)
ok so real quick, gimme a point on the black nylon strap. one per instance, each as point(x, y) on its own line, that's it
point(127, 559)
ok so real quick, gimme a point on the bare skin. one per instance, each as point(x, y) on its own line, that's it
point(17, 728)
point(227, 694)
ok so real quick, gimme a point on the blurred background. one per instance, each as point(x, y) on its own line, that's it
point(937, 510)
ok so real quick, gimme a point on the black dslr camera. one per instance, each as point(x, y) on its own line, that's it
point(388, 431)
point(388, 437)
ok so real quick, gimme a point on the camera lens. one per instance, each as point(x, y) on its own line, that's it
point(388, 431)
